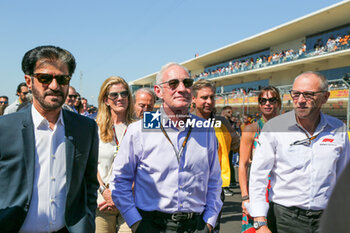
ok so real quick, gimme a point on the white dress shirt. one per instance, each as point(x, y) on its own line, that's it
point(302, 175)
point(47, 206)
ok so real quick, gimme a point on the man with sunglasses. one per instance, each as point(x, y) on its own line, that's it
point(228, 140)
point(71, 98)
point(175, 170)
point(48, 156)
point(22, 91)
point(4, 101)
point(305, 151)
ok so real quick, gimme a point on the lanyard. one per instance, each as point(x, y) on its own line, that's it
point(116, 139)
point(178, 153)
point(306, 141)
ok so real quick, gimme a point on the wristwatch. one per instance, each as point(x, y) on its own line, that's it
point(257, 225)
point(101, 189)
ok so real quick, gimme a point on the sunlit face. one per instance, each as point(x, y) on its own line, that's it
point(4, 101)
point(245, 119)
point(204, 101)
point(84, 103)
point(72, 97)
point(77, 101)
point(178, 98)
point(48, 97)
point(308, 108)
point(227, 113)
point(119, 104)
point(269, 109)
point(23, 94)
point(144, 102)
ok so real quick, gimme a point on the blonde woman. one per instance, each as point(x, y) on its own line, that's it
point(115, 111)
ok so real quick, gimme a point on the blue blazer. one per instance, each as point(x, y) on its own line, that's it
point(17, 159)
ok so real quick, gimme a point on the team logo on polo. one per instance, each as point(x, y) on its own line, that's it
point(151, 120)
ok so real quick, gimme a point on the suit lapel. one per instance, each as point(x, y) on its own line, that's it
point(70, 147)
point(29, 148)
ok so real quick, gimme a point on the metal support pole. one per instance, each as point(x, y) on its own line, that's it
point(242, 104)
point(348, 111)
point(348, 108)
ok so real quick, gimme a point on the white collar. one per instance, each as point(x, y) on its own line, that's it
point(39, 121)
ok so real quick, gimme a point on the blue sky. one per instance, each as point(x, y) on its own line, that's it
point(131, 38)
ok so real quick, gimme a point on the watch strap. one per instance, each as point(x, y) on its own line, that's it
point(101, 189)
point(259, 224)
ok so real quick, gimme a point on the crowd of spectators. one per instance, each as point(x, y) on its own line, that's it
point(249, 92)
point(80, 106)
point(235, 66)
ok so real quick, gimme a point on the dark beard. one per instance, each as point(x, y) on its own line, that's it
point(54, 104)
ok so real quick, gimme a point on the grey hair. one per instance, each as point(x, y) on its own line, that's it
point(159, 77)
point(145, 90)
point(323, 79)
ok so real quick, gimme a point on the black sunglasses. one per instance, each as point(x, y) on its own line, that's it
point(72, 96)
point(4, 102)
point(115, 95)
point(263, 101)
point(47, 78)
point(174, 83)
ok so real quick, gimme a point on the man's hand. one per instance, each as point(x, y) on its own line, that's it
point(108, 204)
point(244, 209)
point(210, 227)
point(135, 226)
point(263, 229)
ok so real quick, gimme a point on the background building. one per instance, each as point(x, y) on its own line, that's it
point(318, 42)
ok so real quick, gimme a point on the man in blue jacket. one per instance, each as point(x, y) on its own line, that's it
point(48, 156)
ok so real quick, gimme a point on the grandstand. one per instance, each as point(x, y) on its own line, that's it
point(318, 41)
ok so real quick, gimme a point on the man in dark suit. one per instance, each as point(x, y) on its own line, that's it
point(48, 156)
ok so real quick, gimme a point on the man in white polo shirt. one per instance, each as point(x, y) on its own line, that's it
point(304, 151)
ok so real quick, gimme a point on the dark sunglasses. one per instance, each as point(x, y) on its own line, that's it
point(25, 92)
point(72, 96)
point(263, 101)
point(4, 102)
point(47, 78)
point(174, 83)
point(115, 95)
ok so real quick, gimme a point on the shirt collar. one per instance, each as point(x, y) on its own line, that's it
point(39, 121)
point(165, 118)
point(164, 115)
point(323, 121)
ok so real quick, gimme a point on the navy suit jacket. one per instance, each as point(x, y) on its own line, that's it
point(17, 159)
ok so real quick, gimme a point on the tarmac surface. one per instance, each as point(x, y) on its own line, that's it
point(231, 218)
